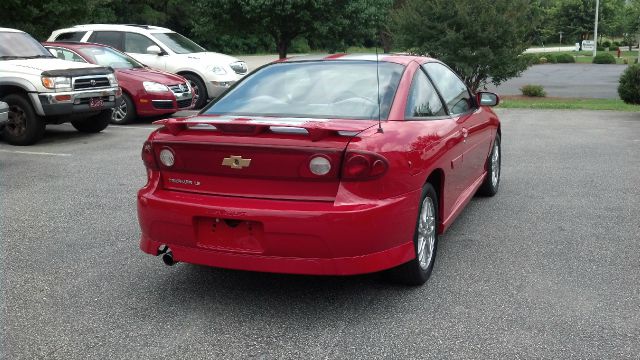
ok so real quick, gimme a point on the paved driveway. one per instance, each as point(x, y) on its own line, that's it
point(568, 80)
point(549, 268)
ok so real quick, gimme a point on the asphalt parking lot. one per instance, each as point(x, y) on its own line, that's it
point(595, 81)
point(549, 268)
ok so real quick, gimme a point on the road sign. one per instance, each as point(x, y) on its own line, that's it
point(588, 45)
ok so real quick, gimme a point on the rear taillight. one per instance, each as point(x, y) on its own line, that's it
point(148, 157)
point(363, 166)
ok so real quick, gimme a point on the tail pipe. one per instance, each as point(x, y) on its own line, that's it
point(167, 255)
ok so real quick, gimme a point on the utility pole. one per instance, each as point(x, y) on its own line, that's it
point(595, 31)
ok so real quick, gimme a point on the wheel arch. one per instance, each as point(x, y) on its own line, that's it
point(7, 89)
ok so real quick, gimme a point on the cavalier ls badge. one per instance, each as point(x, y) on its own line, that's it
point(236, 162)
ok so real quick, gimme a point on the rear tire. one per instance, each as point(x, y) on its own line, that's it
point(491, 182)
point(425, 240)
point(25, 127)
point(199, 90)
point(94, 124)
point(124, 112)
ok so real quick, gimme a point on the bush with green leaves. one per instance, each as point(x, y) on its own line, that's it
point(606, 44)
point(530, 59)
point(629, 88)
point(552, 58)
point(604, 58)
point(565, 59)
point(533, 91)
point(482, 46)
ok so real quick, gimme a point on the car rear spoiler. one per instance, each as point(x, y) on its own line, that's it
point(317, 129)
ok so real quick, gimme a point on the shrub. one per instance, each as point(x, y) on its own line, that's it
point(552, 58)
point(565, 58)
point(542, 60)
point(533, 91)
point(629, 88)
point(606, 44)
point(604, 58)
point(531, 59)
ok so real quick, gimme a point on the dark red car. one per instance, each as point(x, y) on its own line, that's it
point(340, 165)
point(145, 92)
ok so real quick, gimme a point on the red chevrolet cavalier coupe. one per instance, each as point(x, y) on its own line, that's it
point(145, 92)
point(330, 166)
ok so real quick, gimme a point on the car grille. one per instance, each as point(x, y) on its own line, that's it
point(91, 83)
point(184, 103)
point(239, 67)
point(176, 89)
point(162, 104)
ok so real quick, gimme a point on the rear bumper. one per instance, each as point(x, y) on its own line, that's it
point(296, 237)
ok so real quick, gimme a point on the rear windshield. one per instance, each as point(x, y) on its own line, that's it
point(320, 89)
point(18, 45)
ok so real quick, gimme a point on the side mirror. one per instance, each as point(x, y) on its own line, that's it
point(154, 50)
point(487, 99)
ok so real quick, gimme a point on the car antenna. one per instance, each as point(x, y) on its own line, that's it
point(378, 87)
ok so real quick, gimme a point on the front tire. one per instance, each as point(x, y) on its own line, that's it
point(491, 182)
point(417, 271)
point(124, 112)
point(25, 127)
point(94, 124)
point(200, 95)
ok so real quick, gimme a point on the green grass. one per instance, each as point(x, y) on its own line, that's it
point(568, 104)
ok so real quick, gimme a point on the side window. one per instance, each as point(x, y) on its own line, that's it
point(111, 38)
point(71, 36)
point(423, 99)
point(453, 90)
point(65, 54)
point(136, 43)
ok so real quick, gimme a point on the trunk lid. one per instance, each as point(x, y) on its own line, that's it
point(258, 157)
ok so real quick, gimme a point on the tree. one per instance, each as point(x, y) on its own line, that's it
point(333, 24)
point(40, 17)
point(483, 40)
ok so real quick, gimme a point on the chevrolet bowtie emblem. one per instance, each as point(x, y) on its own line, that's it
point(236, 162)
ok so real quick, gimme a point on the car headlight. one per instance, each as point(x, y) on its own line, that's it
point(57, 83)
point(154, 87)
point(112, 79)
point(218, 70)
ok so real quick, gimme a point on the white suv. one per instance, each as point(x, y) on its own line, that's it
point(210, 73)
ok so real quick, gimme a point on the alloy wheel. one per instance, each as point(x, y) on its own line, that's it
point(120, 112)
point(495, 165)
point(426, 233)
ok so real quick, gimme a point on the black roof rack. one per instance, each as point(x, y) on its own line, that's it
point(138, 25)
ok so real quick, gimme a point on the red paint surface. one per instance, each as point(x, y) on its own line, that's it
point(273, 216)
